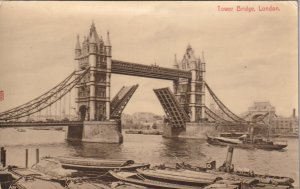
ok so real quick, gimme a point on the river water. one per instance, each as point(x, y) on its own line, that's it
point(152, 149)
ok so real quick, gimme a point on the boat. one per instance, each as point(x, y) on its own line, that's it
point(263, 178)
point(182, 176)
point(256, 179)
point(46, 174)
point(245, 142)
point(138, 179)
point(221, 186)
point(232, 134)
point(100, 165)
point(28, 178)
point(237, 176)
point(123, 185)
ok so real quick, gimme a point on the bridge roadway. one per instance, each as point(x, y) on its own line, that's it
point(40, 124)
point(152, 71)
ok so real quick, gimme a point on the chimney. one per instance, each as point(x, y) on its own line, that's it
point(294, 112)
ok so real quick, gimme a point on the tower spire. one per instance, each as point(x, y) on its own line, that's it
point(203, 60)
point(77, 47)
point(93, 38)
point(188, 46)
point(175, 61)
point(93, 25)
point(107, 40)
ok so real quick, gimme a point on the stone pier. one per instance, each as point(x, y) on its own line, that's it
point(192, 130)
point(96, 131)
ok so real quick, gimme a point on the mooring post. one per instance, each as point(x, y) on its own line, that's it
point(37, 157)
point(229, 157)
point(4, 157)
point(1, 156)
point(26, 158)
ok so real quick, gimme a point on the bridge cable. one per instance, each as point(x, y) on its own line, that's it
point(37, 104)
point(215, 116)
point(229, 113)
point(32, 102)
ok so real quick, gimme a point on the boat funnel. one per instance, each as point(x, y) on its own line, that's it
point(229, 156)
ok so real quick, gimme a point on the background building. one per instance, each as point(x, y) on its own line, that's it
point(285, 125)
point(266, 113)
point(142, 120)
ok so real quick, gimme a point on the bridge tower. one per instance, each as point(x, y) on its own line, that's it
point(93, 91)
point(190, 93)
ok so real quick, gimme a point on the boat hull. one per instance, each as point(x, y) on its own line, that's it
point(181, 176)
point(99, 165)
point(104, 168)
point(216, 141)
point(149, 182)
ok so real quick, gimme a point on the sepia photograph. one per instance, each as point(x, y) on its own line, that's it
point(149, 94)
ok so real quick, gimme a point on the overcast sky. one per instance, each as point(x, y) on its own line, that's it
point(249, 56)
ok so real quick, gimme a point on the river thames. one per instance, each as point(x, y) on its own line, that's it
point(152, 149)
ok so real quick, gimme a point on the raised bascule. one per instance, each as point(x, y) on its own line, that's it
point(99, 117)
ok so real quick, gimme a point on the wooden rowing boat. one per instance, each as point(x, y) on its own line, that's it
point(138, 179)
point(94, 164)
point(24, 178)
point(181, 176)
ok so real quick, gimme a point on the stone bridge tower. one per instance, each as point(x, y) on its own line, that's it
point(190, 93)
point(93, 92)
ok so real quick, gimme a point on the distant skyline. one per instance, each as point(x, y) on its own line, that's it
point(249, 56)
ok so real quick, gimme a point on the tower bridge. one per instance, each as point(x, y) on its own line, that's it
point(98, 117)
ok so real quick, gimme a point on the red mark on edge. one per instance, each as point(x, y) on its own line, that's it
point(1, 95)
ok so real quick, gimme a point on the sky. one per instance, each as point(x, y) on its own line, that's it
point(250, 56)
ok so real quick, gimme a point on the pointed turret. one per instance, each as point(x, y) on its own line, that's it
point(84, 45)
point(93, 38)
point(93, 28)
point(77, 48)
point(93, 31)
point(188, 47)
point(92, 43)
point(199, 59)
point(191, 59)
point(203, 60)
point(190, 52)
point(84, 41)
point(199, 63)
point(107, 42)
point(175, 65)
point(77, 43)
point(108, 45)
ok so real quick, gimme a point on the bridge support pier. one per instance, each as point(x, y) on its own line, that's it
point(171, 132)
point(96, 131)
point(192, 130)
